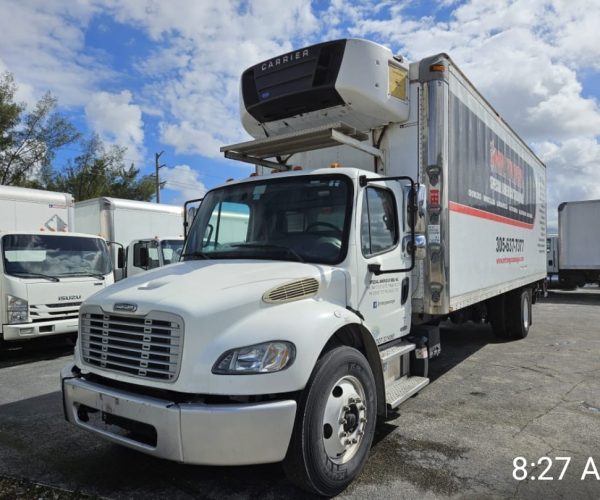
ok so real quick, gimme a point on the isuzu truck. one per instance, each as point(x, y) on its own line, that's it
point(46, 269)
point(149, 235)
point(388, 196)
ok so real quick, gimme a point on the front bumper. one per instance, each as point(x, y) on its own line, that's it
point(231, 434)
point(25, 331)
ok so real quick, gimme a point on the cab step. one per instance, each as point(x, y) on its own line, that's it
point(402, 389)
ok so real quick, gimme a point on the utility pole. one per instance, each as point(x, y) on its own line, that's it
point(158, 167)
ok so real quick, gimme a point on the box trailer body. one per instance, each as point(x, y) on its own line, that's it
point(400, 199)
point(131, 224)
point(579, 242)
point(47, 269)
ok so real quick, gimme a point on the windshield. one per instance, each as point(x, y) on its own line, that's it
point(34, 255)
point(171, 250)
point(303, 218)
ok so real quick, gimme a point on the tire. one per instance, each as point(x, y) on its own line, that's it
point(519, 313)
point(334, 425)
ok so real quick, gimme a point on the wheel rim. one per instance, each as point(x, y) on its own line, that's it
point(344, 419)
point(526, 312)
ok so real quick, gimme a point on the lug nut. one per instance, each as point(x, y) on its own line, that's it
point(351, 400)
point(347, 442)
point(354, 441)
point(345, 408)
point(363, 420)
point(361, 433)
point(343, 421)
point(361, 407)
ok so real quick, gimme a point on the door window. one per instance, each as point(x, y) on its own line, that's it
point(152, 248)
point(379, 224)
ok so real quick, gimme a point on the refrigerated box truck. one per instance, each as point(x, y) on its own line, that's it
point(401, 198)
point(150, 234)
point(579, 243)
point(46, 269)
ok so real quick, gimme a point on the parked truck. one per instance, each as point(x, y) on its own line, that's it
point(401, 198)
point(575, 252)
point(149, 234)
point(47, 270)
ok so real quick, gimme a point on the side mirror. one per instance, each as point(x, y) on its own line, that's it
point(144, 257)
point(120, 258)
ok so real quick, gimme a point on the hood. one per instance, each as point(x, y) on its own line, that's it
point(202, 287)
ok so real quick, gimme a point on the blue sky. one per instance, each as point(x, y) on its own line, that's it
point(163, 76)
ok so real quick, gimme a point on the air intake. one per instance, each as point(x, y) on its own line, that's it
point(294, 290)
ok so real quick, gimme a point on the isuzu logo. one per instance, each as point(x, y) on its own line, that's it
point(122, 306)
point(70, 297)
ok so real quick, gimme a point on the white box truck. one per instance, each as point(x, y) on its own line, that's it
point(151, 234)
point(579, 243)
point(46, 270)
point(289, 339)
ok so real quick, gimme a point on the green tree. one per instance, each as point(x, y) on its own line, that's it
point(101, 171)
point(29, 141)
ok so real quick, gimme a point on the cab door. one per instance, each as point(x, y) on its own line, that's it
point(383, 299)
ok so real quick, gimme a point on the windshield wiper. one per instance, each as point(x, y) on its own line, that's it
point(267, 246)
point(200, 255)
point(86, 273)
point(36, 275)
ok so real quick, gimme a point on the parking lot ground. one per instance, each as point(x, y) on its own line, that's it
point(489, 402)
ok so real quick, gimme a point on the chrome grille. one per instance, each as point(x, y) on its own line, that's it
point(49, 312)
point(143, 346)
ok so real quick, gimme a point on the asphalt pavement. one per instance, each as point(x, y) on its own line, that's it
point(489, 402)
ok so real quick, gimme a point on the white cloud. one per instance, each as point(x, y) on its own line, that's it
point(184, 181)
point(43, 45)
point(186, 138)
point(204, 47)
point(117, 120)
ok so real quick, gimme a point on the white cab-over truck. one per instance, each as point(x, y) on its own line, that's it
point(146, 235)
point(574, 255)
point(290, 340)
point(46, 270)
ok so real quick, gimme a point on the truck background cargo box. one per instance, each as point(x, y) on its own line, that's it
point(579, 242)
point(134, 224)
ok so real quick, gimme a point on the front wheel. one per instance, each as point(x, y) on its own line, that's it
point(335, 424)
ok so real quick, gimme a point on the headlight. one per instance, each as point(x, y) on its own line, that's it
point(18, 310)
point(268, 357)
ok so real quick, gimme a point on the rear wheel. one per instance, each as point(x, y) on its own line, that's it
point(335, 424)
point(510, 314)
point(519, 313)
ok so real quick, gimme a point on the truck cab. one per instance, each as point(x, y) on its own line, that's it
point(45, 278)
